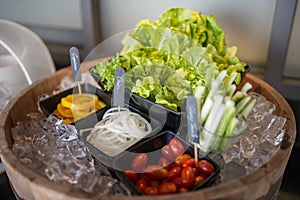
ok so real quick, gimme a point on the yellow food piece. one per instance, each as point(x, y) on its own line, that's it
point(99, 105)
point(77, 106)
point(68, 120)
point(79, 101)
point(65, 112)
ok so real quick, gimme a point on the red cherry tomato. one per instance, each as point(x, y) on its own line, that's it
point(163, 162)
point(139, 162)
point(188, 177)
point(154, 183)
point(143, 176)
point(166, 152)
point(152, 190)
point(176, 147)
point(174, 172)
point(182, 190)
point(205, 167)
point(141, 184)
point(190, 162)
point(199, 180)
point(131, 175)
point(196, 172)
point(182, 158)
point(155, 172)
point(177, 181)
point(167, 188)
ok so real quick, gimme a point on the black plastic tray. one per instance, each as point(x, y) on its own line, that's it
point(152, 147)
point(107, 159)
point(49, 105)
point(247, 69)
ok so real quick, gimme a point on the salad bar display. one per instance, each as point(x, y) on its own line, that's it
point(183, 53)
point(86, 144)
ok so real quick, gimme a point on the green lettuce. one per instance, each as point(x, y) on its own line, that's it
point(167, 60)
point(178, 29)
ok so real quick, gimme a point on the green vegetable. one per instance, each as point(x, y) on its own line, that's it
point(188, 46)
point(174, 72)
point(200, 30)
point(221, 112)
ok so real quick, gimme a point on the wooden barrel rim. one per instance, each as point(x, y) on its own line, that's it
point(43, 185)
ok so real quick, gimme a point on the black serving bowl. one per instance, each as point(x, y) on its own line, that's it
point(247, 69)
point(152, 147)
point(49, 105)
point(107, 159)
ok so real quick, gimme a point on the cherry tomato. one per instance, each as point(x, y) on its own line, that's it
point(155, 172)
point(188, 177)
point(196, 172)
point(182, 190)
point(166, 151)
point(182, 158)
point(139, 162)
point(143, 176)
point(167, 188)
point(152, 190)
point(174, 172)
point(177, 181)
point(199, 180)
point(205, 167)
point(190, 162)
point(131, 175)
point(141, 184)
point(176, 147)
point(163, 162)
point(153, 183)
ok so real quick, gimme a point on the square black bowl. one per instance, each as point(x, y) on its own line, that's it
point(49, 105)
point(152, 147)
point(107, 159)
point(247, 69)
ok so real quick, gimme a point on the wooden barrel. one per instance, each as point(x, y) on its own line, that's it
point(263, 183)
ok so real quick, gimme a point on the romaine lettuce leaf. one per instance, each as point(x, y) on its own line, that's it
point(178, 29)
point(166, 60)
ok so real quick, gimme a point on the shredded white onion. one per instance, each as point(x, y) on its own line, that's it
point(119, 129)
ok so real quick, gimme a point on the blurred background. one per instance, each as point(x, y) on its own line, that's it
point(267, 34)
